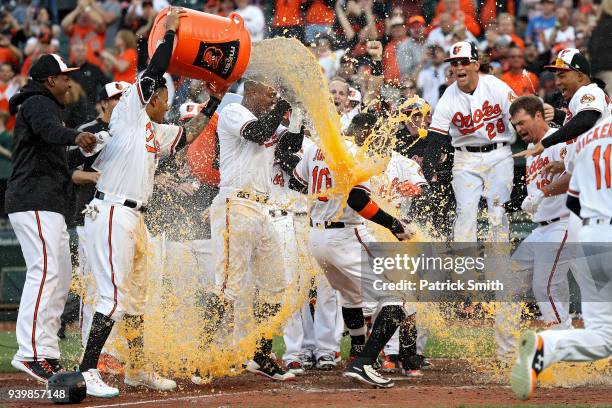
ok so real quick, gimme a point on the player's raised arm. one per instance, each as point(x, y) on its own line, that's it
point(161, 57)
point(360, 201)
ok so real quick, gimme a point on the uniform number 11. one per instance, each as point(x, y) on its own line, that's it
point(606, 157)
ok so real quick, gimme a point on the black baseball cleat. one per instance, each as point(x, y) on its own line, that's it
point(366, 374)
point(326, 363)
point(266, 366)
point(40, 370)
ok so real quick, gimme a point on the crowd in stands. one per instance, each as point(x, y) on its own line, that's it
point(108, 40)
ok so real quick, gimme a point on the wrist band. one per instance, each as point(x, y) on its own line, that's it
point(377, 68)
point(211, 107)
point(369, 210)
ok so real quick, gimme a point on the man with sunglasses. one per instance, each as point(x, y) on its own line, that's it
point(472, 118)
point(588, 103)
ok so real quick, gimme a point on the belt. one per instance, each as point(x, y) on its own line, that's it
point(544, 223)
point(597, 221)
point(278, 213)
point(260, 198)
point(128, 203)
point(332, 225)
point(482, 149)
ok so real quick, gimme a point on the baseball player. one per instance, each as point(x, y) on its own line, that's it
point(336, 243)
point(246, 244)
point(400, 182)
point(588, 103)
point(544, 268)
point(115, 234)
point(473, 111)
point(589, 196)
point(36, 202)
point(109, 97)
point(311, 340)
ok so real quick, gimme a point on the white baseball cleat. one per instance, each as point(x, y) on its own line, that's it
point(529, 363)
point(96, 387)
point(367, 374)
point(149, 379)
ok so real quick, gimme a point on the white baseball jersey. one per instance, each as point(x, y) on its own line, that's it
point(587, 97)
point(127, 164)
point(550, 207)
point(244, 165)
point(591, 179)
point(312, 171)
point(400, 171)
point(476, 119)
point(282, 197)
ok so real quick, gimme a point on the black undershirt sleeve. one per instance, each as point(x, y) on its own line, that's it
point(573, 203)
point(579, 124)
point(288, 145)
point(297, 185)
point(437, 143)
point(157, 66)
point(263, 128)
point(358, 198)
point(559, 117)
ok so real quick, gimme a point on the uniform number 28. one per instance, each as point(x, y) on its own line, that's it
point(596, 159)
point(501, 128)
point(317, 180)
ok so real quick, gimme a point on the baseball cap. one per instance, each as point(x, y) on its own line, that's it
point(570, 59)
point(48, 65)
point(462, 49)
point(354, 95)
point(112, 89)
point(416, 20)
point(188, 110)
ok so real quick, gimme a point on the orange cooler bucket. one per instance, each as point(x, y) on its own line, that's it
point(207, 47)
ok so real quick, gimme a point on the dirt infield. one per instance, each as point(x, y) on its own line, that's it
point(449, 383)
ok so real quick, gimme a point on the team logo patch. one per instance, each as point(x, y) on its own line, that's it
point(563, 153)
point(512, 97)
point(456, 49)
point(588, 98)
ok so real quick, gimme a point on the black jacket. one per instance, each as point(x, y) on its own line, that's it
point(40, 179)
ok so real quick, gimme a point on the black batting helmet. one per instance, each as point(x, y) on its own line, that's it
point(67, 387)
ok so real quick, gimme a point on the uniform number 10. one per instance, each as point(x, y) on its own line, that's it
point(606, 157)
point(317, 181)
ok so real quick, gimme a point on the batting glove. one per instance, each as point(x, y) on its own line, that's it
point(401, 231)
point(295, 120)
point(531, 202)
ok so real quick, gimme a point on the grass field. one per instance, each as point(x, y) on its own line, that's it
point(480, 338)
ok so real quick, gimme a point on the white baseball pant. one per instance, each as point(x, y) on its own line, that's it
point(594, 342)
point(116, 248)
point(43, 238)
point(303, 334)
point(489, 175)
point(541, 262)
point(247, 250)
point(338, 252)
